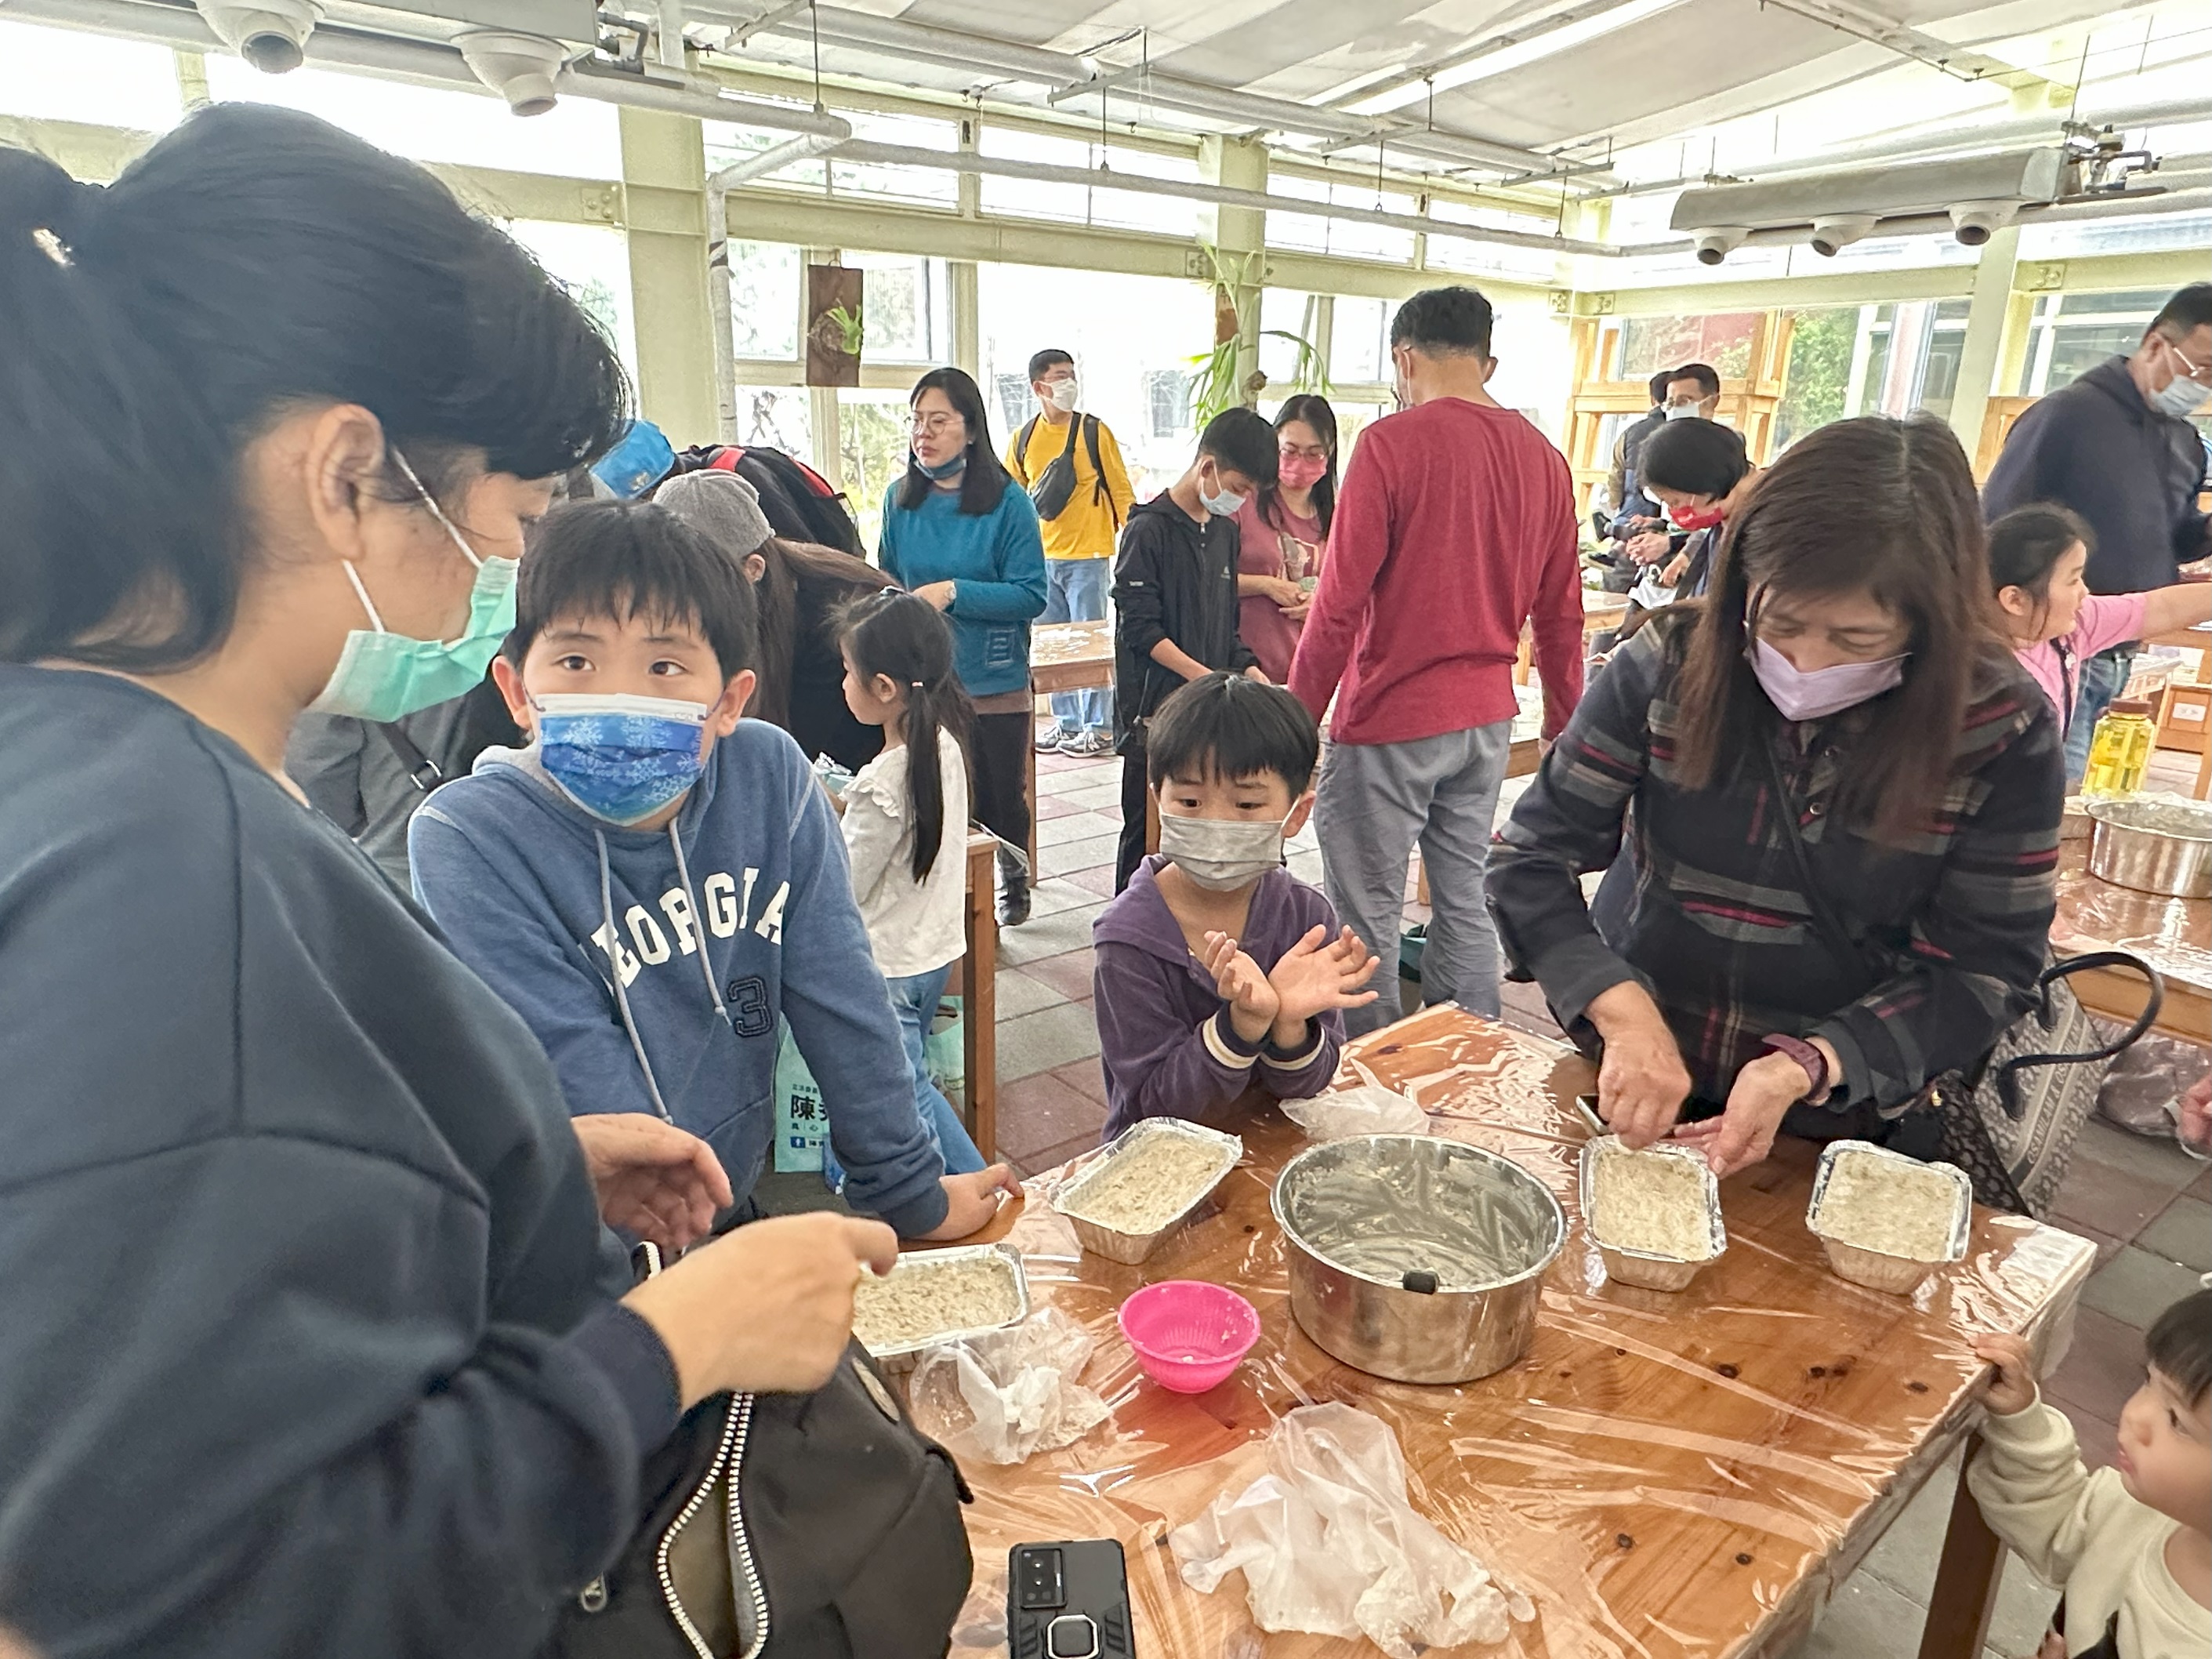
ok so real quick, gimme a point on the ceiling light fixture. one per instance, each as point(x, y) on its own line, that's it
point(1519, 55)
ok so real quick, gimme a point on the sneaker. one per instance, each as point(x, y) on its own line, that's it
point(1086, 745)
point(1014, 904)
point(1050, 737)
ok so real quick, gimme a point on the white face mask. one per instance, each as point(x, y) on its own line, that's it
point(1682, 411)
point(2182, 397)
point(1224, 505)
point(1222, 854)
point(1798, 695)
point(1062, 394)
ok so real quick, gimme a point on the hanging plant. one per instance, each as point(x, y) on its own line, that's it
point(1216, 386)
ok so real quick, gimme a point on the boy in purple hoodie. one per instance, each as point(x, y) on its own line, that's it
point(1218, 970)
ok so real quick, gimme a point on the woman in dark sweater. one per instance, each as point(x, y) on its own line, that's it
point(310, 1339)
point(1843, 668)
point(800, 586)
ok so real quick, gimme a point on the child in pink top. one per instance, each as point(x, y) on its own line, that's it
point(2037, 555)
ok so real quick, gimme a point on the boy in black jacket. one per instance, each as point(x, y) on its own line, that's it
point(1174, 597)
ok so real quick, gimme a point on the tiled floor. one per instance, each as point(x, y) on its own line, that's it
point(2149, 1207)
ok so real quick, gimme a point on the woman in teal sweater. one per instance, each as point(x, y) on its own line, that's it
point(960, 536)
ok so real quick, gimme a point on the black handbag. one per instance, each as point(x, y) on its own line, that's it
point(816, 1526)
point(1054, 488)
point(2010, 1120)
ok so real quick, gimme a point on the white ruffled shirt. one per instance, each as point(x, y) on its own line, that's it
point(914, 927)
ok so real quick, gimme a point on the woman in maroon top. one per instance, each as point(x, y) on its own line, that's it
point(1283, 532)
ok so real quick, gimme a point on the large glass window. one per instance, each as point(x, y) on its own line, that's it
point(2071, 333)
point(1347, 237)
point(1359, 343)
point(592, 262)
point(765, 279)
point(1817, 386)
point(884, 182)
point(1290, 325)
point(578, 137)
point(1912, 358)
point(1723, 339)
point(1133, 338)
point(777, 417)
point(66, 75)
point(872, 431)
point(908, 309)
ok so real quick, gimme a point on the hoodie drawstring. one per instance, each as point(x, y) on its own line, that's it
point(699, 934)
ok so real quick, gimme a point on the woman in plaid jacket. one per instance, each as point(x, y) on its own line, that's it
point(1843, 670)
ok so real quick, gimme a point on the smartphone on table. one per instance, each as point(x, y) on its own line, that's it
point(1069, 1600)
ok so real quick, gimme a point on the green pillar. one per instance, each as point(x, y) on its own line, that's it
point(663, 182)
point(1241, 235)
point(1987, 319)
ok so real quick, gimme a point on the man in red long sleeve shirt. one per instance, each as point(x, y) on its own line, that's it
point(1456, 524)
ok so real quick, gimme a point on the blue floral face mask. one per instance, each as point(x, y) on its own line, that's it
point(621, 758)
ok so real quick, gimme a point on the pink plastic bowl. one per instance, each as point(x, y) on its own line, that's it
point(1188, 1335)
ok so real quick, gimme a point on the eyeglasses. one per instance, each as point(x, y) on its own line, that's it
point(2202, 375)
point(1304, 452)
point(931, 425)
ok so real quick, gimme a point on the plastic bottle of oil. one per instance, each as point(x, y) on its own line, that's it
point(2119, 750)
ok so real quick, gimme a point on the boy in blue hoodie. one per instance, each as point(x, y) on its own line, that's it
point(655, 882)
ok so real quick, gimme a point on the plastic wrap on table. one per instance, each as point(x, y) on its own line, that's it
point(2169, 933)
point(1328, 1544)
point(1662, 1475)
point(1364, 1109)
point(1004, 1397)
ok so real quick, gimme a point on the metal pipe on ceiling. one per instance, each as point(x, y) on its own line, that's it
point(900, 37)
point(968, 161)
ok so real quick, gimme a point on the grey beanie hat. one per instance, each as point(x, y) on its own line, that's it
point(721, 507)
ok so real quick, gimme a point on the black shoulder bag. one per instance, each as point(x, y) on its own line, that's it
point(1055, 487)
point(2010, 1120)
point(786, 1526)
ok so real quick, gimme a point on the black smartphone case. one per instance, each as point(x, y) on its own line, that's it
point(1092, 1583)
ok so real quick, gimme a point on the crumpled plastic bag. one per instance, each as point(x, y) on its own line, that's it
point(1368, 1108)
point(1002, 1397)
point(1329, 1545)
point(2143, 1088)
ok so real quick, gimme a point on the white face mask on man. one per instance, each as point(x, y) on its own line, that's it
point(1062, 394)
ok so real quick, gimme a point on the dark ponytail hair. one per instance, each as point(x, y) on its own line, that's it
point(2027, 543)
point(985, 480)
point(905, 639)
point(1313, 409)
point(253, 260)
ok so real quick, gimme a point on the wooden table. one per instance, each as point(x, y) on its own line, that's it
point(973, 980)
point(2173, 935)
point(1662, 1474)
point(1065, 656)
point(1601, 612)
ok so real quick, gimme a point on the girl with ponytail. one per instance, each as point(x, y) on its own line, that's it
point(906, 814)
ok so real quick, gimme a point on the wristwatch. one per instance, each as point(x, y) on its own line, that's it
point(1814, 1062)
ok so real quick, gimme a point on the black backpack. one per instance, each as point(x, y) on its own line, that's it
point(848, 1541)
point(1055, 487)
point(799, 501)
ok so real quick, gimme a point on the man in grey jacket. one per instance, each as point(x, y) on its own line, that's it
point(2117, 447)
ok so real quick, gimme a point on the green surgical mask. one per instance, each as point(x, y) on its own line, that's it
point(381, 676)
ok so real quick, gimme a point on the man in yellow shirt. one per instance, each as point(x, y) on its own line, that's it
point(1072, 467)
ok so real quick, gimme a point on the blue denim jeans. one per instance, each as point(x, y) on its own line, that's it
point(1075, 590)
point(2103, 678)
point(914, 1002)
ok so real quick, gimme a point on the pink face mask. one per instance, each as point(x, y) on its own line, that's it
point(1799, 695)
point(1299, 471)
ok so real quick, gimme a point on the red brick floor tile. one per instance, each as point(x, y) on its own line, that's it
point(1085, 1075)
point(1056, 806)
point(1098, 879)
point(1069, 973)
point(1042, 1112)
point(2103, 1368)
